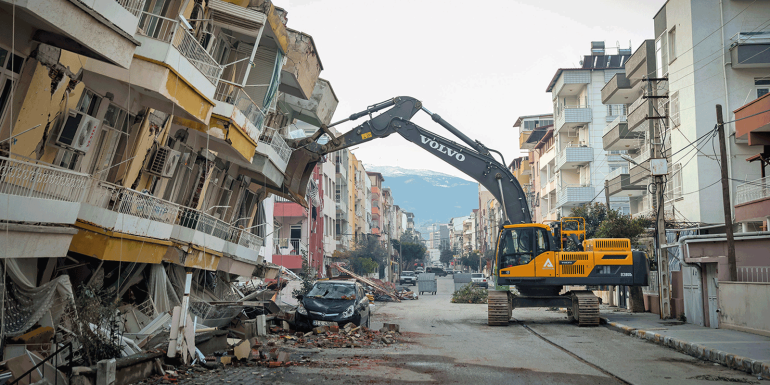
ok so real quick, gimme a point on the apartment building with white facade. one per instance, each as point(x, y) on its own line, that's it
point(580, 164)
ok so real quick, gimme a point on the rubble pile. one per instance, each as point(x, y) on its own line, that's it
point(404, 293)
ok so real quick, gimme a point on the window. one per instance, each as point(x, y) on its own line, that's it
point(10, 68)
point(673, 110)
point(89, 102)
point(762, 85)
point(67, 159)
point(661, 56)
point(672, 44)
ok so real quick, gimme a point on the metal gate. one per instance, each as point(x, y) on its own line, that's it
point(693, 297)
point(713, 285)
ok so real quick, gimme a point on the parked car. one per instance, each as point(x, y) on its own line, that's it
point(333, 301)
point(419, 270)
point(478, 279)
point(407, 278)
point(439, 271)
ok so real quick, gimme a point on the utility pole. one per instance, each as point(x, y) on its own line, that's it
point(658, 169)
point(731, 265)
point(607, 193)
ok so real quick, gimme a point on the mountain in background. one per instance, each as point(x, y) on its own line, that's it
point(432, 196)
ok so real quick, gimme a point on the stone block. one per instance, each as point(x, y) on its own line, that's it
point(105, 372)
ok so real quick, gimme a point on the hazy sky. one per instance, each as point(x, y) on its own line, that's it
point(479, 64)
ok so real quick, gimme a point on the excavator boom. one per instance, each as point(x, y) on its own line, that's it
point(473, 160)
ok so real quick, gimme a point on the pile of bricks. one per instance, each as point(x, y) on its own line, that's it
point(349, 336)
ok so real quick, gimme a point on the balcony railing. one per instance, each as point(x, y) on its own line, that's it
point(246, 239)
point(752, 191)
point(616, 172)
point(295, 244)
point(272, 138)
point(232, 94)
point(170, 31)
point(644, 154)
point(204, 223)
point(133, 6)
point(34, 180)
point(611, 125)
point(131, 202)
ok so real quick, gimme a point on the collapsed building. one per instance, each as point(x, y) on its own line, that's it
point(142, 145)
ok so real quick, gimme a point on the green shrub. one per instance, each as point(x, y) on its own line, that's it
point(470, 294)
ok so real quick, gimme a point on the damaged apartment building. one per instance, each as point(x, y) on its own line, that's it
point(142, 142)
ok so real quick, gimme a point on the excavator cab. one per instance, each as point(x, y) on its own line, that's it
point(571, 232)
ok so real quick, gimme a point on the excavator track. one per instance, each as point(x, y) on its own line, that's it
point(498, 308)
point(585, 308)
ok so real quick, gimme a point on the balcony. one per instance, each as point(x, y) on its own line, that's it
point(619, 184)
point(638, 113)
point(316, 110)
point(40, 194)
point(375, 212)
point(570, 82)
point(300, 73)
point(571, 157)
point(375, 191)
point(574, 194)
point(572, 116)
point(169, 62)
point(275, 154)
point(640, 174)
point(642, 63)
point(619, 91)
point(127, 211)
point(617, 136)
point(247, 118)
point(116, 223)
point(752, 125)
point(752, 200)
point(750, 50)
point(243, 245)
point(99, 29)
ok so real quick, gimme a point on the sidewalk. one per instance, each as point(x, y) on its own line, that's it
point(734, 349)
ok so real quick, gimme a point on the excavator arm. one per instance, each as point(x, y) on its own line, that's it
point(473, 160)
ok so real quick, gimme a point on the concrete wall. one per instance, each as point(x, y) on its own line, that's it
point(744, 306)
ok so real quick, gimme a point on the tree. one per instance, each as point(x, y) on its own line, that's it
point(367, 248)
point(446, 256)
point(411, 248)
point(603, 223)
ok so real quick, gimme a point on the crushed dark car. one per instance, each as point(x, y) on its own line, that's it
point(333, 301)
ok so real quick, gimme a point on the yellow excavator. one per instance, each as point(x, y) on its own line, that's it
point(530, 256)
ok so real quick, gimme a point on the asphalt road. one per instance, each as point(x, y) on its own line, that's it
point(451, 343)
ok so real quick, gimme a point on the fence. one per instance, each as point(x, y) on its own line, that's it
point(272, 138)
point(754, 274)
point(754, 190)
point(29, 179)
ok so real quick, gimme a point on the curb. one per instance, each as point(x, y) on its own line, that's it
point(732, 361)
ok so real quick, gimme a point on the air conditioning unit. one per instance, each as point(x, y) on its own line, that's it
point(163, 162)
point(77, 131)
